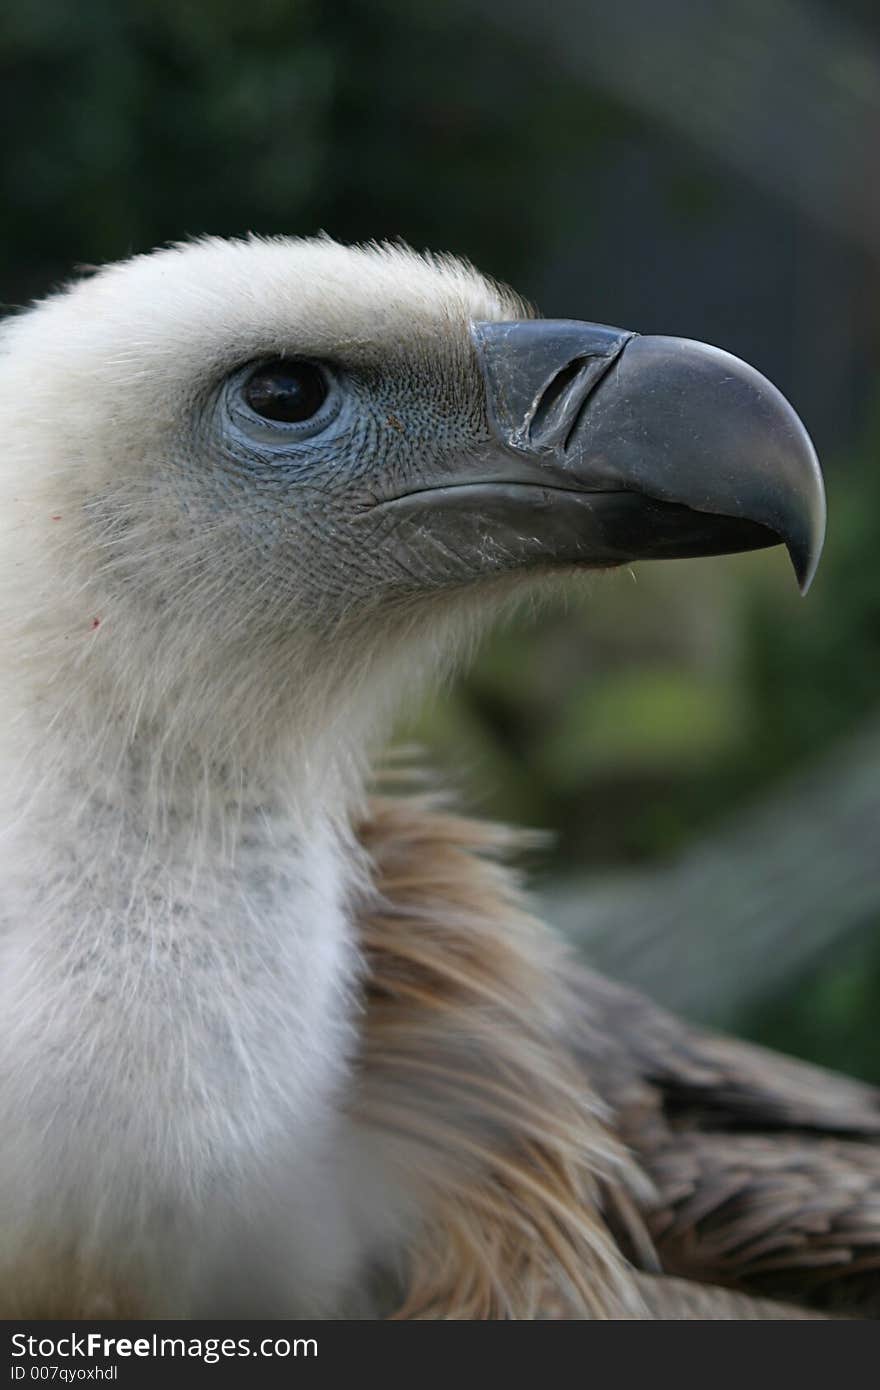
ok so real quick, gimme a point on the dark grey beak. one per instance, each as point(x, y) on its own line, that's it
point(646, 447)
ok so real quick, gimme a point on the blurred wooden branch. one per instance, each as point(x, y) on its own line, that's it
point(747, 909)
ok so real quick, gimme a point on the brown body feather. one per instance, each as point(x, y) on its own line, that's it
point(465, 1066)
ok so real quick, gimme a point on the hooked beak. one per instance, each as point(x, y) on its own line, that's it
point(639, 447)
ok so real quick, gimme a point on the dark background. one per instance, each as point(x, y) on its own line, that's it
point(706, 169)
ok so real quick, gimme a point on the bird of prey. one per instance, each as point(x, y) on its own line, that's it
point(270, 1047)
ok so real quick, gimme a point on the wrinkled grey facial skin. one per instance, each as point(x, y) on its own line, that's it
point(306, 497)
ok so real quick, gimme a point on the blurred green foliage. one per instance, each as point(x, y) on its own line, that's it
point(631, 716)
point(830, 1015)
point(813, 679)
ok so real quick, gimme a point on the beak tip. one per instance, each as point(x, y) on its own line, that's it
point(805, 577)
point(806, 563)
point(806, 549)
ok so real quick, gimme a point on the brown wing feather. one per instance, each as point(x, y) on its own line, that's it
point(767, 1170)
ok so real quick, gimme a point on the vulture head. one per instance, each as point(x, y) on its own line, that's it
point(250, 493)
point(263, 484)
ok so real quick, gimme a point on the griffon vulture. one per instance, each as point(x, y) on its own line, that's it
point(270, 1048)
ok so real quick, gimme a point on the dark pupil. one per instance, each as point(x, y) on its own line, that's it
point(290, 391)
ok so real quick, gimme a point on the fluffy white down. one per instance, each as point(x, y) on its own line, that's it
point(177, 978)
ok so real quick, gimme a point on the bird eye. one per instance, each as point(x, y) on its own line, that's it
point(286, 390)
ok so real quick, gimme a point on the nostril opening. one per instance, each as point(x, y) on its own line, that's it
point(551, 403)
point(561, 406)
